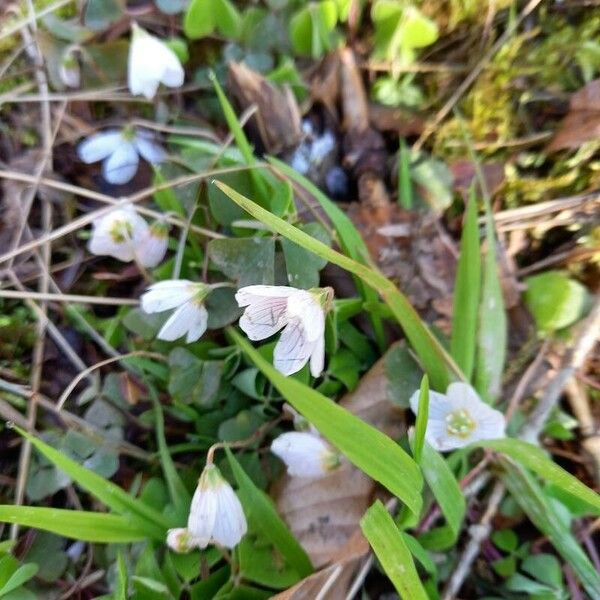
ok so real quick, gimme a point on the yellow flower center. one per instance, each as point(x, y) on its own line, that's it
point(121, 231)
point(460, 423)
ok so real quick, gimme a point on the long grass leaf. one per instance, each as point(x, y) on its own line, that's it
point(100, 528)
point(466, 293)
point(492, 329)
point(447, 494)
point(421, 423)
point(534, 459)
point(431, 353)
point(240, 138)
point(263, 515)
point(393, 553)
point(528, 494)
point(349, 238)
point(144, 517)
point(366, 447)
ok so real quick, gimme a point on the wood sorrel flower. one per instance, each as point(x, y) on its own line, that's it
point(180, 540)
point(190, 317)
point(123, 234)
point(459, 418)
point(151, 62)
point(301, 313)
point(305, 453)
point(120, 152)
point(216, 515)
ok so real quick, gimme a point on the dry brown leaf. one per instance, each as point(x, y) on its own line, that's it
point(277, 120)
point(582, 123)
point(324, 514)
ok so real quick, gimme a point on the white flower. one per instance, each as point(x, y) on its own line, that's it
point(305, 454)
point(120, 152)
point(123, 234)
point(180, 540)
point(153, 246)
point(459, 418)
point(216, 515)
point(118, 234)
point(151, 62)
point(270, 308)
point(190, 316)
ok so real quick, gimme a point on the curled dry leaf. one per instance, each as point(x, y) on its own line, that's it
point(324, 513)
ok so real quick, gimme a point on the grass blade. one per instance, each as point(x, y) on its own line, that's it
point(466, 293)
point(100, 528)
point(366, 447)
point(263, 515)
point(528, 494)
point(153, 523)
point(421, 424)
point(405, 191)
point(393, 553)
point(448, 495)
point(431, 353)
point(491, 337)
point(240, 138)
point(349, 239)
point(534, 459)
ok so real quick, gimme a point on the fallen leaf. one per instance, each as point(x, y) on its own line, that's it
point(324, 513)
point(465, 173)
point(582, 122)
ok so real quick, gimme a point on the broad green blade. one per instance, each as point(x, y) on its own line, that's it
point(100, 528)
point(466, 293)
point(535, 460)
point(431, 353)
point(263, 515)
point(528, 494)
point(448, 495)
point(422, 416)
point(366, 447)
point(393, 553)
point(492, 333)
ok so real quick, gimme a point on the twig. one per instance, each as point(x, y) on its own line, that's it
point(47, 296)
point(478, 533)
point(584, 343)
point(33, 18)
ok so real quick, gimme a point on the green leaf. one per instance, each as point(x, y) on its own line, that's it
point(95, 527)
point(417, 30)
point(122, 580)
point(311, 27)
point(166, 197)
point(403, 374)
point(366, 447)
point(405, 191)
point(227, 18)
point(100, 14)
point(393, 553)
point(505, 539)
point(535, 460)
point(421, 424)
point(492, 334)
point(466, 293)
point(525, 490)
point(22, 575)
point(263, 516)
point(247, 261)
point(554, 300)
point(145, 518)
point(433, 356)
point(302, 266)
point(199, 20)
point(192, 380)
point(448, 495)
point(350, 239)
